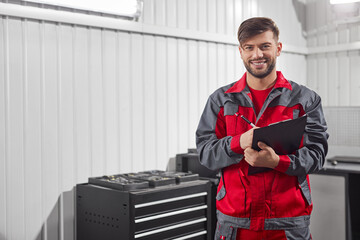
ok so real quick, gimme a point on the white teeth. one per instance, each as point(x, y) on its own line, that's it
point(258, 63)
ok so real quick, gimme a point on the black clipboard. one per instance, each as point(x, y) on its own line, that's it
point(284, 137)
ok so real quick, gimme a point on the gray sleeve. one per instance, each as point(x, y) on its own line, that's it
point(311, 157)
point(215, 153)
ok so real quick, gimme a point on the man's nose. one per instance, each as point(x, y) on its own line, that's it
point(258, 53)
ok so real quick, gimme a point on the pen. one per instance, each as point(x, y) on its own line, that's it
point(246, 120)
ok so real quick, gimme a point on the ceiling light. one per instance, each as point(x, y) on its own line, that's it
point(128, 8)
point(343, 1)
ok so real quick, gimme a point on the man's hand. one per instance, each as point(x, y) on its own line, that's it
point(246, 138)
point(266, 157)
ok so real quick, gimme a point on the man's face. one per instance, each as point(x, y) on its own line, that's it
point(259, 54)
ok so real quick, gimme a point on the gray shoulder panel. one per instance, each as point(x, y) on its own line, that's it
point(221, 98)
point(298, 95)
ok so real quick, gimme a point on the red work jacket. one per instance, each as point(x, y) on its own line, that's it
point(277, 198)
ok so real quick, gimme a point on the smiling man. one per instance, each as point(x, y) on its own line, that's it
point(274, 201)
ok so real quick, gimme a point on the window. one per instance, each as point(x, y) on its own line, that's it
point(123, 8)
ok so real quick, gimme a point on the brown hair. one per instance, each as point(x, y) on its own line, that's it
point(254, 26)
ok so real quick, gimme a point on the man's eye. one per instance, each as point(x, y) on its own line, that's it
point(266, 46)
point(248, 48)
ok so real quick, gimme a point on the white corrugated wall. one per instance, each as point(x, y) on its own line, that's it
point(86, 99)
point(333, 36)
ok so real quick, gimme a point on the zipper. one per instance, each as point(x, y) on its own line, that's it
point(244, 190)
point(262, 110)
point(250, 212)
point(223, 178)
point(271, 194)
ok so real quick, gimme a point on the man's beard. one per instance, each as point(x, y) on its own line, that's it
point(264, 73)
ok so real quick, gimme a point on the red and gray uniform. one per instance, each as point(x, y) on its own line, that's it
point(277, 199)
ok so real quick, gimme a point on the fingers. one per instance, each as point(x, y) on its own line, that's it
point(250, 156)
point(262, 145)
point(264, 158)
point(246, 139)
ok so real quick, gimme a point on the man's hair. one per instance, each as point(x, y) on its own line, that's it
point(254, 26)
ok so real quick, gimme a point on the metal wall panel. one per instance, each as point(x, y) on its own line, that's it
point(211, 16)
point(202, 15)
point(344, 77)
point(80, 101)
point(81, 84)
point(212, 71)
point(183, 90)
point(333, 79)
point(50, 129)
point(221, 16)
point(337, 37)
point(150, 88)
point(3, 127)
point(110, 109)
point(171, 13)
point(173, 101)
point(182, 14)
point(296, 70)
point(322, 77)
point(137, 101)
point(312, 67)
point(354, 58)
point(161, 98)
point(32, 134)
point(192, 19)
point(125, 106)
point(66, 130)
point(193, 90)
point(15, 131)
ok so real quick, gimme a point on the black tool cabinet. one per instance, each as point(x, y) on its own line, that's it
point(177, 211)
point(348, 169)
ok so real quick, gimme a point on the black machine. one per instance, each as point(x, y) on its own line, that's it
point(349, 168)
point(150, 205)
point(189, 162)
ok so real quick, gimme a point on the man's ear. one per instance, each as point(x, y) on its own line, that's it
point(240, 50)
point(278, 49)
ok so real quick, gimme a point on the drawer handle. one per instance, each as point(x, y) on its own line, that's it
point(170, 200)
point(191, 235)
point(170, 228)
point(170, 214)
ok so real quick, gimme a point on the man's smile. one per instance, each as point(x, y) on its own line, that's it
point(258, 63)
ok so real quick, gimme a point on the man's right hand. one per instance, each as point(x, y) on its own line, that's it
point(246, 138)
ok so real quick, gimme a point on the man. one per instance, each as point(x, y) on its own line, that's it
point(272, 204)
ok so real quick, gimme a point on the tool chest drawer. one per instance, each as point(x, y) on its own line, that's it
point(175, 211)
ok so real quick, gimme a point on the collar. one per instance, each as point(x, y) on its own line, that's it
point(240, 85)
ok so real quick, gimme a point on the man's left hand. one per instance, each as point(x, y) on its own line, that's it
point(266, 157)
